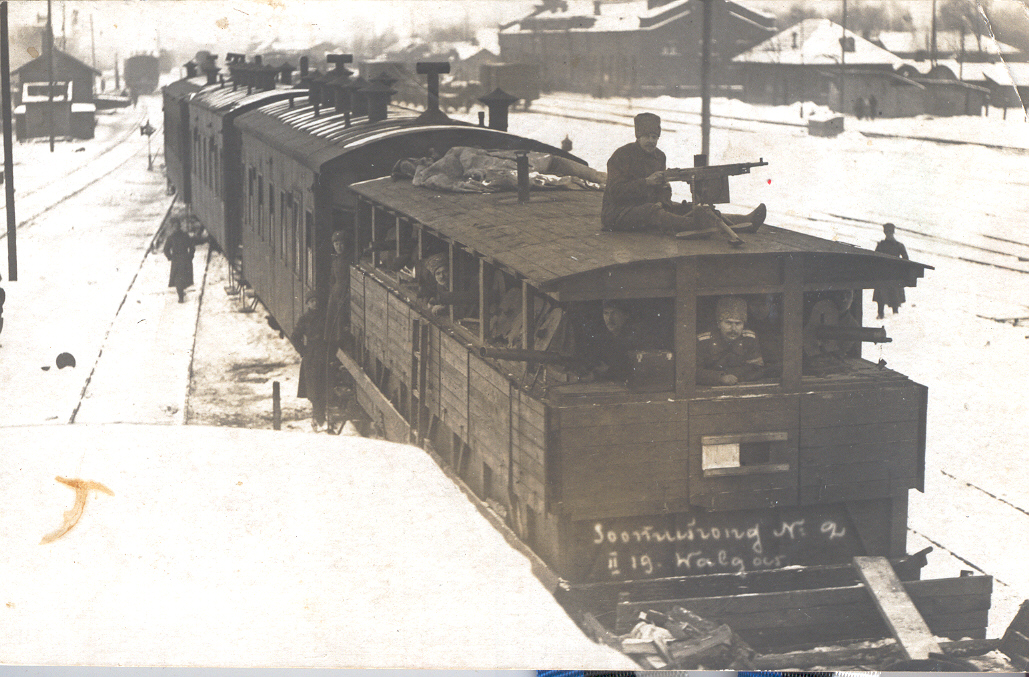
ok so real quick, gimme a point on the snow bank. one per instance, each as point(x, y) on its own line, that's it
point(231, 547)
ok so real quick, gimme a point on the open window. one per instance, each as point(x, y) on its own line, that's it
point(626, 341)
point(743, 454)
point(833, 334)
point(739, 339)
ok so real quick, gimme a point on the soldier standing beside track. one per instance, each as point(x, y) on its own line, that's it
point(892, 294)
point(309, 339)
point(179, 249)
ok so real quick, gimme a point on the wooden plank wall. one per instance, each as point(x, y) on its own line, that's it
point(528, 442)
point(453, 384)
point(375, 319)
point(398, 339)
point(623, 459)
point(744, 415)
point(489, 420)
point(860, 444)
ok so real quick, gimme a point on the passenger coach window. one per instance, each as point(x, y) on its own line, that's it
point(739, 339)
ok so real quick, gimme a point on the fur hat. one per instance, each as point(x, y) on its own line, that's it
point(647, 123)
point(436, 262)
point(731, 308)
point(339, 236)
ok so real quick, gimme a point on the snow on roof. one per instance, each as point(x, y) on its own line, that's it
point(582, 16)
point(1010, 74)
point(901, 42)
point(816, 42)
point(258, 548)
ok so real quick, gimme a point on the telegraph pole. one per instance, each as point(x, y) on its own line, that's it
point(843, 62)
point(705, 82)
point(5, 83)
point(49, 38)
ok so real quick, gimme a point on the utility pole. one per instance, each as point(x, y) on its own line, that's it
point(49, 39)
point(92, 39)
point(932, 38)
point(705, 82)
point(5, 83)
point(843, 62)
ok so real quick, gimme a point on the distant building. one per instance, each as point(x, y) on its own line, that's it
point(804, 63)
point(72, 111)
point(632, 47)
point(964, 46)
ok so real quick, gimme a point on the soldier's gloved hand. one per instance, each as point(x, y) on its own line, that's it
point(656, 179)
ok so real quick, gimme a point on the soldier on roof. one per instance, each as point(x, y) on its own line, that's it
point(638, 196)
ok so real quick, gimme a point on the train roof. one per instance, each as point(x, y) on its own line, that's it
point(316, 141)
point(555, 243)
point(225, 99)
point(180, 89)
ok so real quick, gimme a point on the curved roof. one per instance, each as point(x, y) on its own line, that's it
point(555, 242)
point(225, 99)
point(180, 89)
point(315, 141)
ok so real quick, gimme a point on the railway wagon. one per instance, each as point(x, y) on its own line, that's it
point(654, 484)
point(142, 72)
point(298, 165)
point(177, 141)
point(215, 181)
point(520, 80)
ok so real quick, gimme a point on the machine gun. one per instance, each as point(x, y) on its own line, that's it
point(709, 185)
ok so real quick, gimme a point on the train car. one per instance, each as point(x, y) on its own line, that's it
point(142, 72)
point(177, 141)
point(298, 158)
point(746, 502)
point(216, 183)
point(520, 80)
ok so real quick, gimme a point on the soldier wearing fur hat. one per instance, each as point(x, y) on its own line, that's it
point(337, 320)
point(637, 195)
point(308, 338)
point(731, 354)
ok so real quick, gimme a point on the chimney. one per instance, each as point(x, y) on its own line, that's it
point(257, 60)
point(303, 66)
point(596, 7)
point(378, 94)
point(432, 69)
point(191, 69)
point(358, 97)
point(498, 101)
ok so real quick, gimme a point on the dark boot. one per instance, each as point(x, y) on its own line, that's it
point(182, 295)
point(667, 222)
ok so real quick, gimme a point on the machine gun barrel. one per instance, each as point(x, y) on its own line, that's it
point(518, 355)
point(691, 174)
point(831, 332)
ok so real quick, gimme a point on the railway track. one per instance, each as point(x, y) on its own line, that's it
point(41, 199)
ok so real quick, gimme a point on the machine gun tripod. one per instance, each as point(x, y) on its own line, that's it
point(709, 185)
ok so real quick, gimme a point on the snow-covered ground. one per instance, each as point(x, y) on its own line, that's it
point(87, 286)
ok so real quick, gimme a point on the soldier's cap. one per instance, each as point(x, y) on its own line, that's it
point(436, 262)
point(889, 228)
point(647, 123)
point(339, 236)
point(731, 308)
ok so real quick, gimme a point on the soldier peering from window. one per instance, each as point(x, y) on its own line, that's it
point(730, 354)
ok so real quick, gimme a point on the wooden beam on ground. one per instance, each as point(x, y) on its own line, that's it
point(895, 606)
point(801, 660)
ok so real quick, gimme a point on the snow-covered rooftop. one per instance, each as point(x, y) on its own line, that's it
point(816, 42)
point(604, 17)
point(901, 42)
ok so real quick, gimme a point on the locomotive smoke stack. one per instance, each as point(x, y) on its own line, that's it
point(191, 69)
point(482, 119)
point(303, 66)
point(286, 73)
point(498, 102)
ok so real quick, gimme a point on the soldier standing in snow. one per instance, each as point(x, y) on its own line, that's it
point(892, 294)
point(309, 339)
point(179, 249)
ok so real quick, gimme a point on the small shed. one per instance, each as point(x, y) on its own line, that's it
point(72, 110)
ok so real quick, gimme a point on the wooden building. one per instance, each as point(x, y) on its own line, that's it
point(805, 63)
point(944, 93)
point(71, 112)
point(632, 48)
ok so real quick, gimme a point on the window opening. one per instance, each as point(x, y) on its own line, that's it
point(739, 339)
